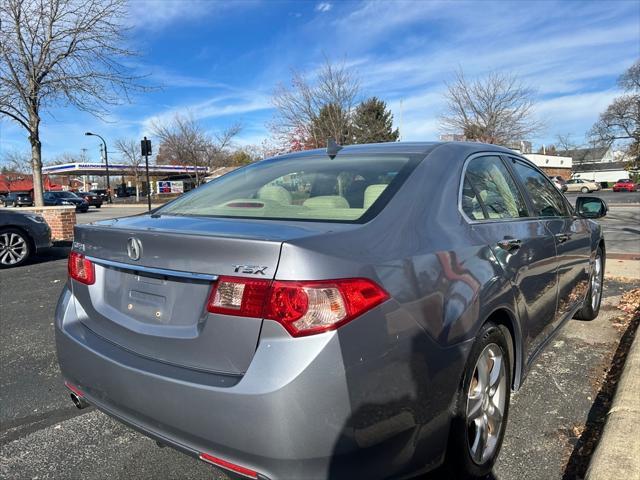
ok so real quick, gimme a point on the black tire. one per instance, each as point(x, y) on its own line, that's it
point(591, 307)
point(459, 460)
point(98, 206)
point(584, 190)
point(26, 249)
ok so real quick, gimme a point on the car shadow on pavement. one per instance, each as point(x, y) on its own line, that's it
point(444, 474)
point(59, 251)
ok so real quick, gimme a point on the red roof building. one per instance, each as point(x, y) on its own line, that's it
point(17, 182)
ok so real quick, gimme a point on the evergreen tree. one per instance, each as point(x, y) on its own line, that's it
point(332, 121)
point(373, 122)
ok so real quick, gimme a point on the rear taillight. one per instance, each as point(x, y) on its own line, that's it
point(238, 296)
point(81, 269)
point(303, 308)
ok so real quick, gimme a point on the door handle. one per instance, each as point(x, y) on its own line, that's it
point(510, 244)
point(562, 237)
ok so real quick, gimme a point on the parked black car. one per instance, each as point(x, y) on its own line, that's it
point(66, 198)
point(14, 199)
point(21, 235)
point(100, 192)
point(92, 199)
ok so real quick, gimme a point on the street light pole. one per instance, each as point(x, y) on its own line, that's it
point(106, 163)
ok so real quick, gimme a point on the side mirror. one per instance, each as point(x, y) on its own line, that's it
point(591, 207)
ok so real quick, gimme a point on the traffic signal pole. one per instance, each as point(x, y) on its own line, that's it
point(146, 151)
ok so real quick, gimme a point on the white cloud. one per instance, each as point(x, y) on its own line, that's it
point(219, 106)
point(573, 113)
point(323, 7)
point(157, 14)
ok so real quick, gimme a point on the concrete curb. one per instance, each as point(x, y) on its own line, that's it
point(625, 268)
point(617, 453)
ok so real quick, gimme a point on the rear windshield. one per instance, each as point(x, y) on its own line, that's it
point(348, 188)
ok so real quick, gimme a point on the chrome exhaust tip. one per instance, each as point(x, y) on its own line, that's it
point(79, 402)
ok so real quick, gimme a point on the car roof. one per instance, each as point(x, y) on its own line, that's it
point(416, 148)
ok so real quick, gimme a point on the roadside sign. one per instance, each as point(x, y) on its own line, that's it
point(170, 187)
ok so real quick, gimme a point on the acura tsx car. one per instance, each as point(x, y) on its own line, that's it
point(354, 312)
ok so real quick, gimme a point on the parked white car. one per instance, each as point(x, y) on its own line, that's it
point(584, 186)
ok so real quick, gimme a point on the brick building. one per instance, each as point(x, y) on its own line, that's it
point(552, 165)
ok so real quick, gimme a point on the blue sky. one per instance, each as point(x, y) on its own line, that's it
point(222, 60)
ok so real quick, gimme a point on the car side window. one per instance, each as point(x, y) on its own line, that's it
point(489, 191)
point(470, 204)
point(547, 200)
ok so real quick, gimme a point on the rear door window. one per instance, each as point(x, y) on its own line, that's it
point(546, 199)
point(489, 191)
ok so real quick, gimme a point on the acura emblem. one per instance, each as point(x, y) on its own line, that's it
point(134, 248)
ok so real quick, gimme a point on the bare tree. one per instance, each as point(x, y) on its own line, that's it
point(17, 162)
point(60, 52)
point(66, 157)
point(218, 154)
point(620, 122)
point(497, 109)
point(185, 141)
point(629, 81)
point(334, 93)
point(16, 166)
point(565, 143)
point(131, 155)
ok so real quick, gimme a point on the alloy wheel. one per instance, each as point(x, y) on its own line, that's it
point(486, 401)
point(13, 248)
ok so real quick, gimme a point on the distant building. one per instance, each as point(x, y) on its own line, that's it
point(552, 165)
point(453, 137)
point(23, 183)
point(522, 146)
point(591, 155)
point(609, 172)
point(599, 164)
point(218, 172)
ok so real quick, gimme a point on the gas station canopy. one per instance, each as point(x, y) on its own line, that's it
point(119, 169)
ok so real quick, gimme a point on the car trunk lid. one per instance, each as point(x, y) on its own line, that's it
point(155, 306)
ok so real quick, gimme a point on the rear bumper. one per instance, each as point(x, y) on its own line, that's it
point(302, 410)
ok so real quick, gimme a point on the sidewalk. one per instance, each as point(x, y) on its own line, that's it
point(622, 268)
point(618, 452)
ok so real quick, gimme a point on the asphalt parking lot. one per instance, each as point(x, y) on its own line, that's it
point(42, 435)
